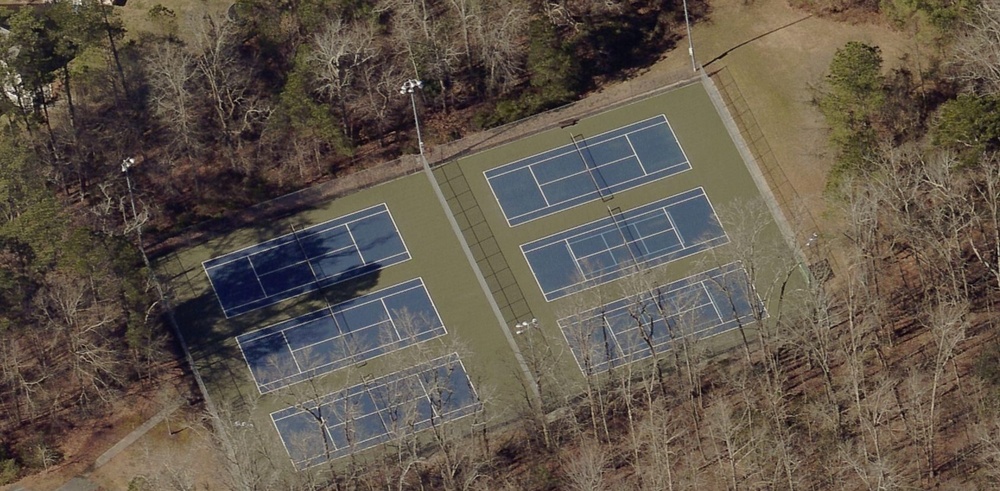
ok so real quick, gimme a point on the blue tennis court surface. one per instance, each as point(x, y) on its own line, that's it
point(375, 412)
point(351, 332)
point(315, 257)
point(587, 169)
point(603, 250)
point(622, 331)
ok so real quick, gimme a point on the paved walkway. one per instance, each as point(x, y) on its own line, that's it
point(136, 434)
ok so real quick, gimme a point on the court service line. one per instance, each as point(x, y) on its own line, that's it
point(291, 352)
point(216, 291)
point(640, 211)
point(712, 300)
point(392, 322)
point(260, 283)
point(673, 226)
point(309, 228)
point(354, 241)
point(597, 139)
point(636, 154)
point(539, 185)
point(617, 188)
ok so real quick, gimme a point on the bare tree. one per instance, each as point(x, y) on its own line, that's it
point(226, 82)
point(987, 189)
point(977, 50)
point(340, 54)
point(725, 425)
point(584, 468)
point(500, 33)
point(948, 322)
point(171, 74)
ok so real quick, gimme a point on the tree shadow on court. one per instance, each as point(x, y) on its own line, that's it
point(211, 337)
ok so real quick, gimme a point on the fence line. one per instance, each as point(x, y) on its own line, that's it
point(341, 185)
point(803, 221)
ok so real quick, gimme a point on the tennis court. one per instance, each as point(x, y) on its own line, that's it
point(630, 329)
point(587, 169)
point(371, 413)
point(305, 260)
point(603, 250)
point(351, 332)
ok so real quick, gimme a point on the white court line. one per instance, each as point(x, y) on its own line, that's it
point(673, 226)
point(283, 443)
point(345, 395)
point(312, 270)
point(598, 139)
point(677, 141)
point(405, 254)
point(600, 280)
point(311, 289)
point(719, 272)
point(388, 316)
point(652, 206)
point(382, 381)
point(607, 249)
point(356, 247)
point(215, 291)
point(309, 228)
point(636, 127)
point(399, 234)
point(361, 304)
point(247, 361)
point(576, 261)
point(590, 170)
point(329, 435)
point(291, 352)
point(257, 276)
point(619, 351)
point(618, 188)
point(438, 330)
point(427, 395)
point(377, 412)
point(714, 305)
point(539, 185)
point(637, 159)
point(296, 263)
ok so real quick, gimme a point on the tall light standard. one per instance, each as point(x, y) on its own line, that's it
point(126, 165)
point(523, 327)
point(408, 87)
point(687, 25)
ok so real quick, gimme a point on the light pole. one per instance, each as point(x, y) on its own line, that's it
point(126, 165)
point(687, 25)
point(523, 327)
point(408, 87)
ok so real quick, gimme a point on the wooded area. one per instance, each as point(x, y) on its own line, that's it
point(885, 376)
point(218, 115)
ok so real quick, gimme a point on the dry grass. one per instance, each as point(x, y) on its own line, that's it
point(135, 15)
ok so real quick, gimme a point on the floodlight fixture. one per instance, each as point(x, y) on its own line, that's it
point(408, 87)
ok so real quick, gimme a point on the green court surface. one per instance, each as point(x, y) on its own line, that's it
point(716, 167)
point(717, 175)
point(437, 260)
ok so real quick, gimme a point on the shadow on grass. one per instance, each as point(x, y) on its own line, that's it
point(755, 38)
